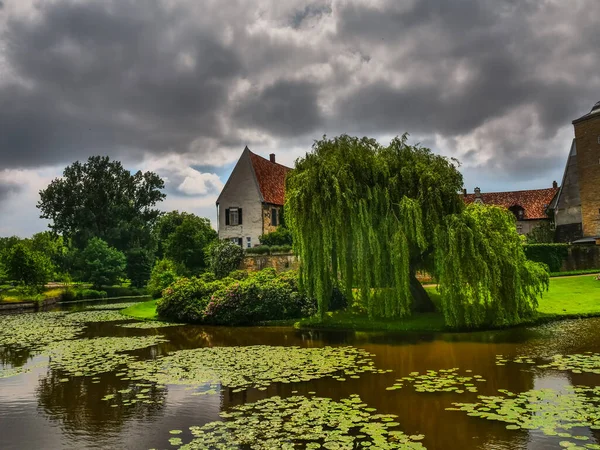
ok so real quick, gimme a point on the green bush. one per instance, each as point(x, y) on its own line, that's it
point(281, 236)
point(124, 291)
point(259, 250)
point(224, 257)
point(281, 249)
point(243, 300)
point(552, 255)
point(88, 294)
point(164, 273)
point(186, 299)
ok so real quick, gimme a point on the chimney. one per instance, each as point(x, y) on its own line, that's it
point(477, 192)
point(554, 184)
point(272, 157)
point(464, 191)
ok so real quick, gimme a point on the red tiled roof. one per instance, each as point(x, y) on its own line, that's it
point(534, 202)
point(271, 179)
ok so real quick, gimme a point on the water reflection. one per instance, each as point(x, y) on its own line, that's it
point(79, 418)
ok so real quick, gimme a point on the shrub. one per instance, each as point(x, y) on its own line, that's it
point(86, 294)
point(244, 300)
point(224, 257)
point(163, 274)
point(68, 295)
point(281, 236)
point(281, 249)
point(186, 299)
point(552, 255)
point(259, 250)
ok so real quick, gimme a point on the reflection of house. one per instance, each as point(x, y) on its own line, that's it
point(577, 207)
point(529, 207)
point(250, 203)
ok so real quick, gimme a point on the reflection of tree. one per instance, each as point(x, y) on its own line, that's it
point(79, 406)
point(15, 357)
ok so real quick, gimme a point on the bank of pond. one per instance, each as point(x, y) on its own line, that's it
point(86, 376)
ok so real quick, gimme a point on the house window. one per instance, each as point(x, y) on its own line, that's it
point(249, 242)
point(233, 216)
point(274, 217)
point(519, 228)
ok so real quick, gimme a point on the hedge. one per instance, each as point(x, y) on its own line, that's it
point(552, 255)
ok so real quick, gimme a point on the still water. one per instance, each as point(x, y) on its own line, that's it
point(39, 411)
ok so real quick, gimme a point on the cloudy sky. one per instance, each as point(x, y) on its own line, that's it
point(180, 87)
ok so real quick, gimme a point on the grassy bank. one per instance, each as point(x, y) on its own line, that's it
point(569, 297)
point(142, 311)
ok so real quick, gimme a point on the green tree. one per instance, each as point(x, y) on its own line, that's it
point(542, 234)
point(224, 257)
point(54, 247)
point(139, 266)
point(484, 276)
point(364, 215)
point(183, 238)
point(27, 267)
point(101, 199)
point(101, 264)
point(164, 273)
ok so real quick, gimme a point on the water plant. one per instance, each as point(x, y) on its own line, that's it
point(587, 362)
point(555, 413)
point(444, 380)
point(307, 422)
point(146, 325)
point(35, 330)
point(254, 366)
point(117, 306)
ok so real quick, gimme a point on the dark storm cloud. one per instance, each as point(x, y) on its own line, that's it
point(6, 189)
point(286, 108)
point(493, 78)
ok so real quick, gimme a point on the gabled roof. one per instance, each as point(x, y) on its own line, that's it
point(270, 177)
point(534, 202)
point(594, 112)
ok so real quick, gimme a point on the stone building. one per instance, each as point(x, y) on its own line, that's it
point(577, 206)
point(251, 201)
point(529, 207)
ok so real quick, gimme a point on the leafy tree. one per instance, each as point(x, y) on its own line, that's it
point(224, 257)
point(101, 199)
point(54, 247)
point(164, 273)
point(484, 276)
point(542, 234)
point(183, 238)
point(139, 266)
point(281, 236)
point(29, 268)
point(101, 264)
point(364, 215)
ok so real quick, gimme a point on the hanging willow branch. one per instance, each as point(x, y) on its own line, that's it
point(484, 276)
point(363, 216)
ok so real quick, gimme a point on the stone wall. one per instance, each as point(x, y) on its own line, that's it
point(266, 214)
point(280, 262)
point(587, 141)
point(582, 257)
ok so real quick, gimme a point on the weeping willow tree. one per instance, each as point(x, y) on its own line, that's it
point(363, 215)
point(484, 276)
point(368, 217)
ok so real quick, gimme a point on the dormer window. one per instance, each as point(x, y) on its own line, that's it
point(518, 211)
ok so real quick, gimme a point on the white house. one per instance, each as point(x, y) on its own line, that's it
point(251, 201)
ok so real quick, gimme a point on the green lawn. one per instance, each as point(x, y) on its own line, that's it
point(142, 311)
point(567, 298)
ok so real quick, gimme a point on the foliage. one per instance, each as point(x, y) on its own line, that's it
point(28, 267)
point(254, 298)
point(281, 236)
point(164, 273)
point(384, 205)
point(187, 298)
point(101, 199)
point(258, 250)
point(552, 255)
point(224, 257)
point(569, 273)
point(139, 266)
point(484, 276)
point(183, 238)
point(542, 234)
point(102, 264)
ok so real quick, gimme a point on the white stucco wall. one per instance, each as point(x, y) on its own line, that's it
point(241, 191)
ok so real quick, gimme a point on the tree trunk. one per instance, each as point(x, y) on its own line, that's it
point(421, 300)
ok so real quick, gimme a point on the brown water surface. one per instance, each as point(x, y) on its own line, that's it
point(37, 411)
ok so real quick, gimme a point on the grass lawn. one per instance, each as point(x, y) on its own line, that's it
point(567, 298)
point(142, 311)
